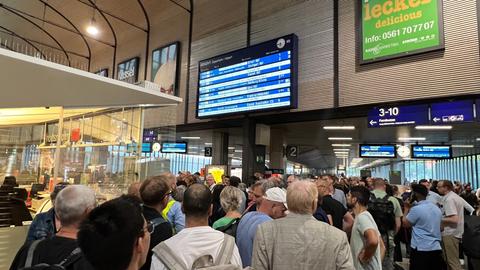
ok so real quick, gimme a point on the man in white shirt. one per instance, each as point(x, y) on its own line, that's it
point(452, 223)
point(197, 239)
point(432, 196)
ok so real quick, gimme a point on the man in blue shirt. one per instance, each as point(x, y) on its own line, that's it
point(424, 218)
point(272, 206)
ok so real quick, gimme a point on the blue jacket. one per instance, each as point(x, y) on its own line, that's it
point(43, 226)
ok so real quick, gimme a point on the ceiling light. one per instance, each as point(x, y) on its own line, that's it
point(92, 27)
point(412, 139)
point(433, 127)
point(231, 148)
point(341, 150)
point(343, 145)
point(190, 138)
point(238, 151)
point(462, 146)
point(478, 139)
point(339, 127)
point(340, 138)
point(192, 147)
point(208, 144)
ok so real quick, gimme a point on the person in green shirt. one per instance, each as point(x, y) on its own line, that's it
point(231, 199)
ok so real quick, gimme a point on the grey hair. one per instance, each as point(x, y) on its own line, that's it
point(73, 203)
point(266, 185)
point(231, 199)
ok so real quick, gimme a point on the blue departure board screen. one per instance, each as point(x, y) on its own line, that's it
point(431, 151)
point(377, 151)
point(174, 147)
point(257, 78)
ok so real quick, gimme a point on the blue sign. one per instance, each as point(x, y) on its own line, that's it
point(377, 151)
point(452, 112)
point(431, 151)
point(177, 147)
point(260, 77)
point(398, 116)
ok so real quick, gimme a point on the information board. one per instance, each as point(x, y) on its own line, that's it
point(431, 151)
point(452, 112)
point(398, 115)
point(393, 28)
point(377, 151)
point(257, 78)
point(174, 147)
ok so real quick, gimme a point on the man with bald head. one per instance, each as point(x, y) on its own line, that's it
point(299, 241)
point(173, 211)
point(197, 239)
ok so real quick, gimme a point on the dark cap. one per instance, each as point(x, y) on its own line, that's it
point(420, 189)
point(422, 181)
point(58, 187)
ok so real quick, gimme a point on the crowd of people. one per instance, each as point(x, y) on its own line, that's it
point(325, 222)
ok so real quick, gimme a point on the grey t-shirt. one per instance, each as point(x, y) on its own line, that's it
point(363, 222)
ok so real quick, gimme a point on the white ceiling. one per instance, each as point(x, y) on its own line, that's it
point(31, 82)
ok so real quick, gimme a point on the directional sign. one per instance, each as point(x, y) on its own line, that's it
point(431, 151)
point(398, 116)
point(452, 112)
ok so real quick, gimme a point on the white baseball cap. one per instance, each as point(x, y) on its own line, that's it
point(276, 194)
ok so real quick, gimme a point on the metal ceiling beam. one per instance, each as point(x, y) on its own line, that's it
point(24, 39)
point(76, 29)
point(113, 33)
point(182, 7)
point(39, 27)
point(47, 45)
point(57, 25)
point(92, 5)
point(147, 42)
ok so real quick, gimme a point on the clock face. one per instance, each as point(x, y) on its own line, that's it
point(156, 147)
point(403, 151)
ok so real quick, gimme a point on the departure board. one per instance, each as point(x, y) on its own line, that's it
point(431, 151)
point(257, 78)
point(174, 147)
point(377, 151)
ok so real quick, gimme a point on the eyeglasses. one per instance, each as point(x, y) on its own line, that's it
point(150, 228)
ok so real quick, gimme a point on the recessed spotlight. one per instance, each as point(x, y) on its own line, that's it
point(412, 139)
point(433, 127)
point(339, 127)
point(340, 138)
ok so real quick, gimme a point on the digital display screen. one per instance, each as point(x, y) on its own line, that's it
point(431, 151)
point(452, 112)
point(257, 78)
point(146, 147)
point(174, 147)
point(377, 151)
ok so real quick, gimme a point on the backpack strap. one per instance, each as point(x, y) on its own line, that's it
point(226, 251)
point(72, 258)
point(167, 257)
point(31, 250)
point(157, 221)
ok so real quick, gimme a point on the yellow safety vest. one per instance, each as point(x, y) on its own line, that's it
point(167, 209)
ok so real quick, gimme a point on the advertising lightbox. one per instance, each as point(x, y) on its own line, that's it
point(391, 28)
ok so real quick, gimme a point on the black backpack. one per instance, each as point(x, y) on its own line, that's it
point(383, 213)
point(74, 256)
point(230, 228)
point(471, 236)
